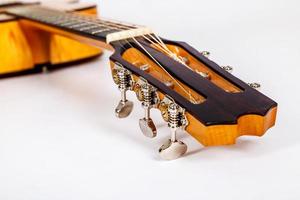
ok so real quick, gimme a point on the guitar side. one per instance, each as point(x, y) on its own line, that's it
point(27, 49)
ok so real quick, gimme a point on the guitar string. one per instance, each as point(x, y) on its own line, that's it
point(162, 47)
point(187, 92)
point(139, 44)
point(113, 26)
point(120, 26)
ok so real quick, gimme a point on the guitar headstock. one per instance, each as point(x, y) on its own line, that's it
point(191, 91)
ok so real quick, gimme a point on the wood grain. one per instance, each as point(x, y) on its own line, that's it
point(64, 50)
point(251, 125)
point(15, 52)
point(25, 46)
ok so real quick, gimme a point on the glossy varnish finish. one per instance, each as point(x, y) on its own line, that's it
point(15, 52)
point(64, 50)
point(27, 47)
point(251, 125)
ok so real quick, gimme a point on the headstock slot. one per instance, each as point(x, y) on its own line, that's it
point(139, 60)
point(227, 79)
point(199, 67)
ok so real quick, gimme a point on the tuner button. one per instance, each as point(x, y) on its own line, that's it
point(122, 77)
point(256, 86)
point(147, 127)
point(205, 53)
point(172, 150)
point(149, 99)
point(229, 69)
point(124, 109)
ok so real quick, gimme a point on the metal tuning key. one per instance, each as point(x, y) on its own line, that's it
point(228, 69)
point(174, 148)
point(149, 98)
point(123, 78)
point(205, 53)
point(256, 86)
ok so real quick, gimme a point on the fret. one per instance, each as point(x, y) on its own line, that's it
point(59, 22)
point(68, 23)
point(88, 28)
point(100, 31)
point(115, 25)
point(78, 25)
point(103, 30)
point(104, 34)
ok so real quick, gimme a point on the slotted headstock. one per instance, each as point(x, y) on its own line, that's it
point(212, 105)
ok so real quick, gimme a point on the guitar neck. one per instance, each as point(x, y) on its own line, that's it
point(105, 31)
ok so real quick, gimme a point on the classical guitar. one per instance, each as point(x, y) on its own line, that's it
point(192, 92)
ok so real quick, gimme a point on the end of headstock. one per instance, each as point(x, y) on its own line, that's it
point(219, 135)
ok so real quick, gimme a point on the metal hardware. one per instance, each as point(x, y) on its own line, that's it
point(145, 67)
point(123, 78)
point(169, 84)
point(203, 74)
point(174, 148)
point(205, 53)
point(184, 59)
point(256, 86)
point(229, 69)
point(148, 96)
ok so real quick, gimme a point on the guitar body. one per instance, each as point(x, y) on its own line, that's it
point(26, 50)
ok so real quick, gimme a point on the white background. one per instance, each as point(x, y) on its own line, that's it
point(60, 140)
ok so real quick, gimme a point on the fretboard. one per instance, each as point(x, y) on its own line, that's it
point(104, 30)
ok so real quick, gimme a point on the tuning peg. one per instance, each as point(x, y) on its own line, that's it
point(123, 79)
point(147, 94)
point(124, 108)
point(228, 68)
point(174, 148)
point(205, 53)
point(256, 86)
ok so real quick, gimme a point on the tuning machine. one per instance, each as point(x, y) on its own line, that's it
point(227, 68)
point(205, 53)
point(256, 86)
point(123, 78)
point(147, 94)
point(175, 116)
